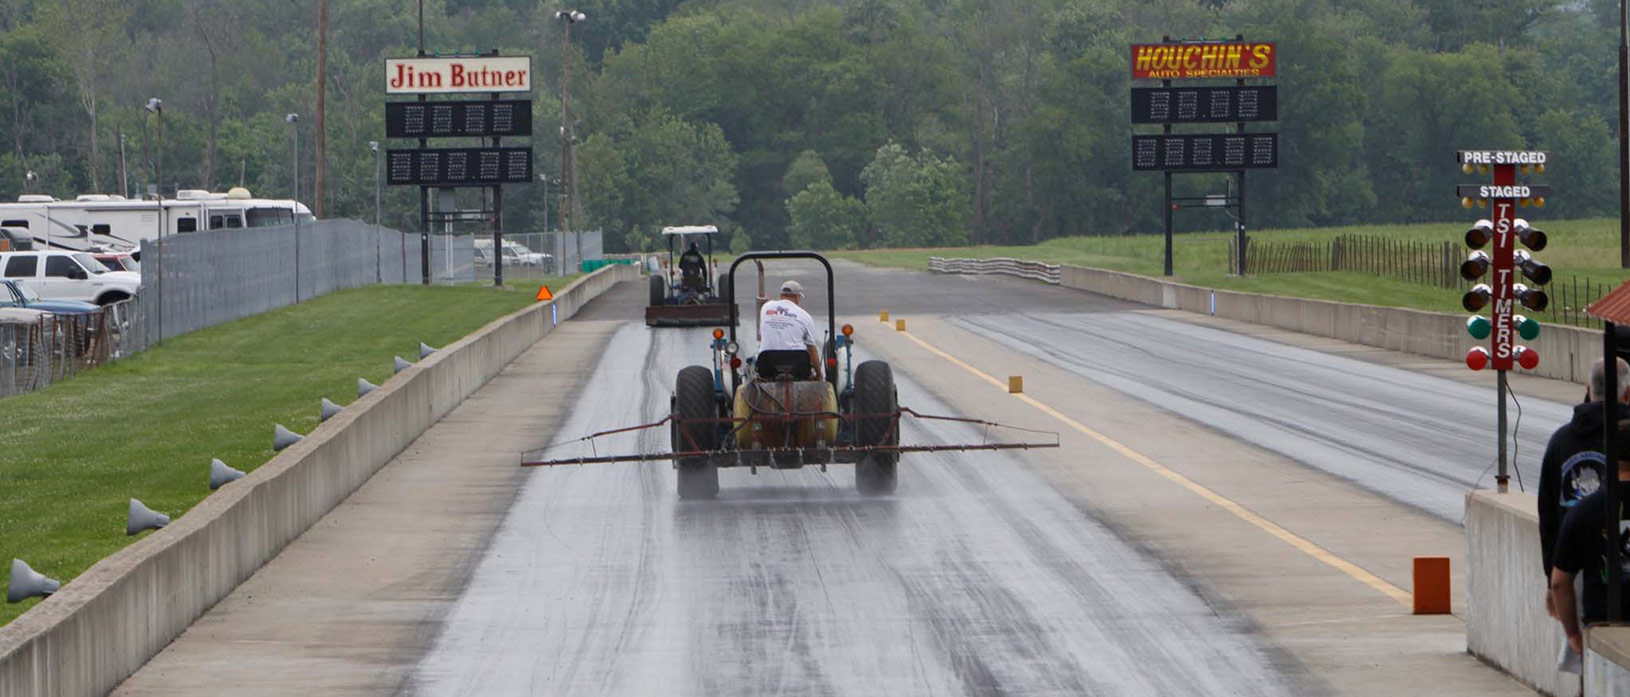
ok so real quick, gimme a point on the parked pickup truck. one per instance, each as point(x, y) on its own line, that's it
point(17, 295)
point(64, 275)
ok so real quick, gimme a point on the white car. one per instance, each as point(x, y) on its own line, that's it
point(515, 253)
point(65, 275)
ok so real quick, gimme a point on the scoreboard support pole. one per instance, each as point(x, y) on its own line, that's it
point(497, 220)
point(1239, 222)
point(1167, 129)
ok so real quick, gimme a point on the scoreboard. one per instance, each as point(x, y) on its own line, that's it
point(1206, 152)
point(458, 166)
point(1204, 104)
point(465, 119)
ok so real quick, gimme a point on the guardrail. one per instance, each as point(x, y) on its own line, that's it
point(1033, 270)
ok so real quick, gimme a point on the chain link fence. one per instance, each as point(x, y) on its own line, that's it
point(190, 282)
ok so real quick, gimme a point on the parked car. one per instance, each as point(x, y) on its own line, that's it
point(17, 295)
point(65, 275)
point(118, 261)
point(515, 254)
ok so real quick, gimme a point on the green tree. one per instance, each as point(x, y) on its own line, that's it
point(822, 218)
point(916, 200)
point(655, 170)
point(740, 242)
point(808, 169)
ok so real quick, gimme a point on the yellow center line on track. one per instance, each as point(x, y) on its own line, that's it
point(1301, 543)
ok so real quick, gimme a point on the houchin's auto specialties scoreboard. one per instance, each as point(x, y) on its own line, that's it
point(1239, 104)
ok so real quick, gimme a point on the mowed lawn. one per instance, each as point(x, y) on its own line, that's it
point(72, 455)
point(1584, 249)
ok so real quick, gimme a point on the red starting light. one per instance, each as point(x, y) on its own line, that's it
point(735, 363)
point(831, 362)
point(1477, 358)
point(1527, 358)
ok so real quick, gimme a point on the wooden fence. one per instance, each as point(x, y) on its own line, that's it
point(1427, 263)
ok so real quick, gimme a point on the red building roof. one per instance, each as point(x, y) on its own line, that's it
point(1613, 307)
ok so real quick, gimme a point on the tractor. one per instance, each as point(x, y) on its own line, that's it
point(685, 292)
point(762, 417)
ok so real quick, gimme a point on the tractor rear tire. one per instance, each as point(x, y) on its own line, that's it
point(876, 423)
point(721, 284)
point(694, 409)
point(659, 290)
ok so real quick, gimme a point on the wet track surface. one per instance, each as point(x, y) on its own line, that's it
point(975, 578)
point(1414, 438)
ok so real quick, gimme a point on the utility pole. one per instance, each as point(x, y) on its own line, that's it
point(322, 94)
point(1624, 138)
point(569, 17)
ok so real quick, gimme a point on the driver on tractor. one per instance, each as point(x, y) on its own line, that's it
point(691, 266)
point(789, 345)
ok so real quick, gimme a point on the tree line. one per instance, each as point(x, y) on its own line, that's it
point(827, 123)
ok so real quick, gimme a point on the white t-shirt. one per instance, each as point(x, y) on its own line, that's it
point(785, 327)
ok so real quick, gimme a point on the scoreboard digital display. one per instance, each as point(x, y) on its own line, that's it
point(1205, 152)
point(1162, 105)
point(462, 119)
point(458, 166)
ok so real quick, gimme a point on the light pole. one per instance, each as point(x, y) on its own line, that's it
point(293, 120)
point(29, 177)
point(155, 106)
point(379, 274)
point(568, 17)
point(124, 175)
point(294, 127)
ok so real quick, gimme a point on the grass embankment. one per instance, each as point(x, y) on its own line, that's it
point(1588, 249)
point(73, 454)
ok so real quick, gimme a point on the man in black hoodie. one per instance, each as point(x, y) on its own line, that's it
point(1573, 465)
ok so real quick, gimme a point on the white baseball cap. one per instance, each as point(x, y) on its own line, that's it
point(792, 288)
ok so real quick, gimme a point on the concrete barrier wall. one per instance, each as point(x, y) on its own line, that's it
point(1566, 353)
point(1506, 622)
point(112, 618)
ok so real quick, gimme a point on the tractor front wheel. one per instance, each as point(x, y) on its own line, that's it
point(694, 429)
point(876, 423)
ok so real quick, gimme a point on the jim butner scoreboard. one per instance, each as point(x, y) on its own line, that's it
point(488, 163)
point(1233, 150)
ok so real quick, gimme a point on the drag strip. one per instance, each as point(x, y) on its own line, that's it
point(977, 577)
point(1414, 438)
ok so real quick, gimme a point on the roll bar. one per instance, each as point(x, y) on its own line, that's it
point(831, 294)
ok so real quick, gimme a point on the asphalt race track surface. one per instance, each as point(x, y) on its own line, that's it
point(1417, 439)
point(975, 578)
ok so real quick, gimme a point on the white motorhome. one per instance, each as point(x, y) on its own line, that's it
point(100, 222)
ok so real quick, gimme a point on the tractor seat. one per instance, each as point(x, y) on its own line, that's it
point(784, 365)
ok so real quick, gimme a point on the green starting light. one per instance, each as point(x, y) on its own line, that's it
point(1526, 328)
point(1478, 326)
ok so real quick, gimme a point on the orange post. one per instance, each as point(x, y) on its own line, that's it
point(544, 294)
point(883, 316)
point(1015, 384)
point(1431, 585)
point(899, 325)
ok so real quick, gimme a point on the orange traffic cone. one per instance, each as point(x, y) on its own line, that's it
point(544, 294)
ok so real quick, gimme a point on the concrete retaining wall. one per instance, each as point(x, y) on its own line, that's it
point(1566, 353)
point(1607, 652)
point(111, 619)
point(1506, 622)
